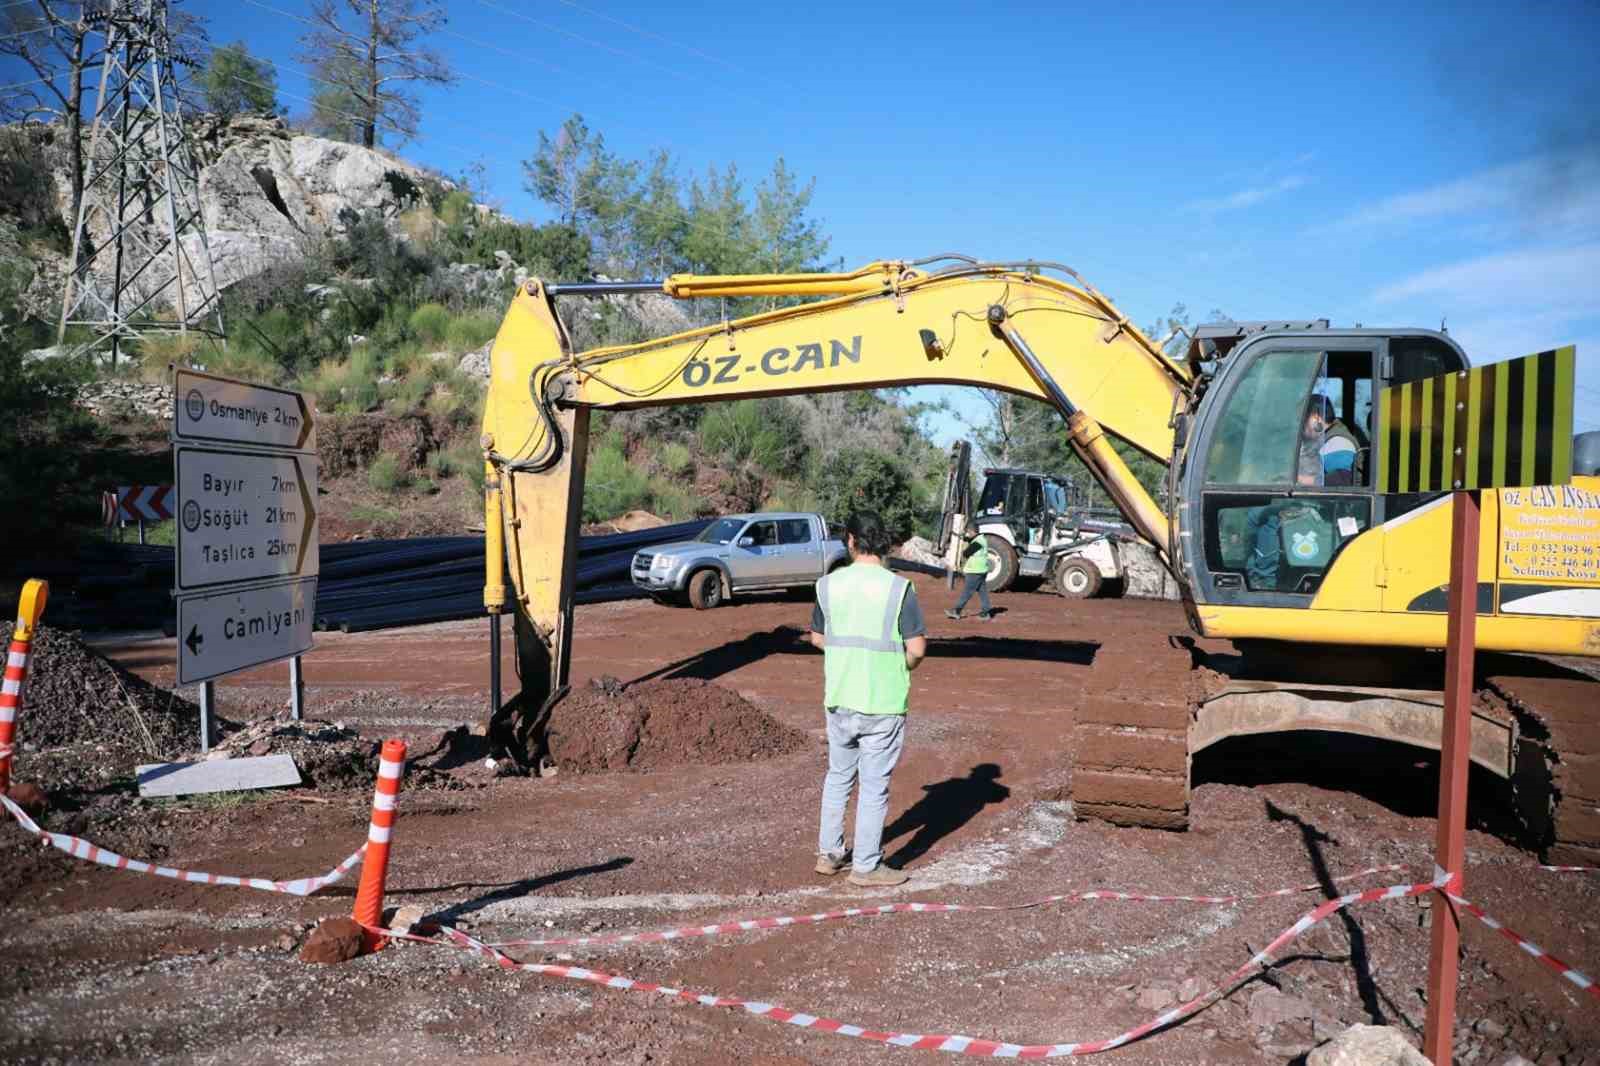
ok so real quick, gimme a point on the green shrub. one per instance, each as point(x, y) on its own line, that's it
point(245, 362)
point(385, 475)
point(429, 323)
point(471, 331)
point(611, 486)
point(455, 208)
point(674, 458)
point(858, 479)
point(672, 501)
point(764, 432)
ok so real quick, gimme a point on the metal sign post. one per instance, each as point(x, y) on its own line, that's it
point(1454, 743)
point(247, 557)
point(1502, 426)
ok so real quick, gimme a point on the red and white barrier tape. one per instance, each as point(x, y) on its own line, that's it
point(753, 924)
point(79, 848)
point(1584, 983)
point(967, 1045)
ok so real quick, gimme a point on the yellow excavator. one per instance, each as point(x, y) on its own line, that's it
point(1325, 585)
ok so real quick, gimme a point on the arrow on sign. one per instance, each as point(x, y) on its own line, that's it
point(195, 640)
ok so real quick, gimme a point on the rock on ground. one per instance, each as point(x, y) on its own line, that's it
point(1367, 1045)
point(333, 940)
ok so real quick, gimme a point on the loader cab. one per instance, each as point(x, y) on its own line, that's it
point(1030, 503)
point(1278, 474)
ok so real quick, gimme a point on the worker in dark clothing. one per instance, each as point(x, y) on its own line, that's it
point(975, 571)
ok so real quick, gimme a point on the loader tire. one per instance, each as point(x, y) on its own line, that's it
point(1077, 579)
point(705, 589)
point(1002, 564)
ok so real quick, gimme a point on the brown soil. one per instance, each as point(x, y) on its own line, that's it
point(607, 726)
point(87, 721)
point(105, 966)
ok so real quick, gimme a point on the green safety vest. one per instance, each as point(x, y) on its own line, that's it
point(864, 656)
point(978, 561)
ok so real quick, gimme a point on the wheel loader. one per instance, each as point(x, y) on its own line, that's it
point(1331, 592)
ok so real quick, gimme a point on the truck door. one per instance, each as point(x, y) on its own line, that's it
point(1286, 481)
point(802, 551)
point(756, 557)
point(1034, 519)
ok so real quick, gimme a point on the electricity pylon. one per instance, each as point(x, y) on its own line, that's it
point(140, 259)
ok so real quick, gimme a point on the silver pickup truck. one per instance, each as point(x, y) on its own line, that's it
point(740, 553)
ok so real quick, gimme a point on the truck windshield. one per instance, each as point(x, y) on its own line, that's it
point(721, 531)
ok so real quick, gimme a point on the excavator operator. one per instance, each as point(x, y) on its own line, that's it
point(1329, 454)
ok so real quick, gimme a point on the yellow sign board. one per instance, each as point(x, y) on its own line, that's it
point(1550, 549)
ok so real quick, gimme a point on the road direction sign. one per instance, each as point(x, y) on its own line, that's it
point(244, 516)
point(213, 410)
point(234, 629)
point(149, 503)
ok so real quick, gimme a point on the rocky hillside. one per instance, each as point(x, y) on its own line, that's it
point(377, 286)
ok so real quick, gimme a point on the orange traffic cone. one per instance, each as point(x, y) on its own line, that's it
point(375, 866)
point(34, 595)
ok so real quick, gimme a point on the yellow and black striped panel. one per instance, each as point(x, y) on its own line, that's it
point(1492, 426)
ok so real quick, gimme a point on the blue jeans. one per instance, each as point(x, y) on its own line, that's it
point(978, 583)
point(865, 747)
point(1262, 525)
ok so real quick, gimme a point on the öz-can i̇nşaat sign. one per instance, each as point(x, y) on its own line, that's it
point(1550, 551)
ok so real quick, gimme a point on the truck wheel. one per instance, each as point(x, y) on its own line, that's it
point(1077, 580)
point(705, 590)
point(1002, 564)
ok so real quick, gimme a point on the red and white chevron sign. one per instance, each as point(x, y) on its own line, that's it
point(152, 503)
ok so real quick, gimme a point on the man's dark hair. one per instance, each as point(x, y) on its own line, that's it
point(871, 536)
point(1322, 406)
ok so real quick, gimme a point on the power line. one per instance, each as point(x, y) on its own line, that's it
point(518, 56)
point(624, 53)
point(653, 36)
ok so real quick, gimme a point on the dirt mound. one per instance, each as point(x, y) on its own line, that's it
point(328, 755)
point(86, 721)
point(662, 723)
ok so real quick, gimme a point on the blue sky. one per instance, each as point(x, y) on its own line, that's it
point(1381, 164)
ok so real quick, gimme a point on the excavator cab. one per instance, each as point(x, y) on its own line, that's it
point(1282, 462)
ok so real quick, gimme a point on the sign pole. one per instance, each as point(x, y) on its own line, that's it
point(208, 694)
point(297, 690)
point(1444, 951)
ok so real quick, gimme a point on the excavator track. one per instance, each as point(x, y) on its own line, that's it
point(1130, 741)
point(1558, 760)
point(1535, 723)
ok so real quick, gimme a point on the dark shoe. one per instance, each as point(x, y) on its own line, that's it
point(878, 877)
point(827, 865)
point(986, 617)
point(952, 613)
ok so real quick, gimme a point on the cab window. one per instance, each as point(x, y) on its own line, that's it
point(1254, 443)
point(761, 534)
point(794, 531)
point(1288, 470)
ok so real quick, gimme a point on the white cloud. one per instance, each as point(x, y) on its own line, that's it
point(1562, 278)
point(1246, 197)
point(1549, 193)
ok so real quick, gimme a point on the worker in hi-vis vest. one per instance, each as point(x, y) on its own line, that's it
point(870, 628)
point(975, 570)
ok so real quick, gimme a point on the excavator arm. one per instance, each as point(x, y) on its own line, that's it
point(1004, 327)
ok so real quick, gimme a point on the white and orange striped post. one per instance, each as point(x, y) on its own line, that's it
point(34, 595)
point(368, 911)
